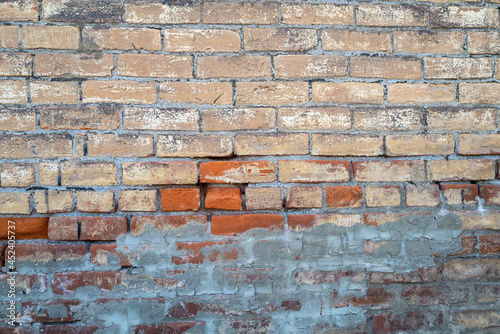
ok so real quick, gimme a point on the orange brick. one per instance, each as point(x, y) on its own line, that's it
point(88, 174)
point(162, 13)
point(45, 92)
point(344, 197)
point(388, 119)
point(137, 200)
point(463, 119)
point(53, 201)
point(95, 38)
point(223, 198)
point(389, 171)
point(102, 228)
point(380, 196)
point(421, 93)
point(15, 64)
point(26, 228)
point(201, 40)
point(430, 144)
point(348, 92)
point(156, 66)
point(159, 172)
point(483, 42)
point(116, 145)
point(238, 119)
point(73, 65)
point(458, 194)
point(9, 36)
point(289, 66)
point(352, 40)
point(19, 10)
point(314, 118)
point(237, 172)
point(478, 144)
point(194, 146)
point(119, 91)
point(15, 203)
point(480, 92)
point(137, 118)
point(347, 145)
point(424, 41)
point(13, 92)
point(304, 197)
point(422, 195)
point(386, 67)
point(197, 92)
point(391, 15)
point(180, 199)
point(279, 39)
point(271, 144)
point(457, 68)
point(36, 146)
point(263, 198)
point(232, 225)
point(51, 37)
point(310, 171)
point(240, 12)
point(95, 201)
point(464, 17)
point(233, 67)
point(461, 170)
point(17, 174)
point(271, 93)
point(103, 117)
point(318, 13)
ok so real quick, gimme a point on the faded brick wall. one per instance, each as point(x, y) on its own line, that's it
point(250, 167)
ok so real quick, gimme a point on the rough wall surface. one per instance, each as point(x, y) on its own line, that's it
point(249, 167)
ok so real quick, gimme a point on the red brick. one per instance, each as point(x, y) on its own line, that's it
point(223, 198)
point(413, 320)
point(237, 172)
point(199, 252)
point(238, 224)
point(327, 277)
point(344, 197)
point(67, 283)
point(102, 228)
point(162, 223)
point(489, 244)
point(26, 228)
point(40, 311)
point(70, 252)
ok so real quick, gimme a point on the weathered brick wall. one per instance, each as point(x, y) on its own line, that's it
point(250, 167)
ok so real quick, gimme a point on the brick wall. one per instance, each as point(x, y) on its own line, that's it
point(250, 167)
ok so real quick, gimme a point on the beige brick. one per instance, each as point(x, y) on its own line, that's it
point(290, 66)
point(480, 318)
point(464, 17)
point(497, 69)
point(237, 172)
point(271, 144)
point(15, 63)
point(197, 92)
point(36, 146)
point(48, 173)
point(15, 203)
point(194, 146)
point(457, 68)
point(119, 91)
point(421, 93)
point(478, 144)
point(117, 145)
point(481, 92)
point(454, 170)
point(314, 118)
point(389, 171)
point(95, 38)
point(233, 67)
point(318, 13)
point(347, 145)
point(88, 174)
point(482, 42)
point(162, 13)
point(306, 171)
point(263, 198)
point(95, 201)
point(352, 40)
point(81, 11)
point(138, 200)
point(391, 15)
point(238, 119)
point(17, 174)
point(19, 10)
point(279, 39)
point(475, 220)
point(348, 92)
point(156, 66)
point(380, 196)
point(304, 197)
point(430, 144)
point(422, 195)
point(137, 118)
point(159, 172)
point(46, 92)
point(103, 117)
point(458, 194)
point(216, 12)
point(9, 36)
point(51, 37)
point(386, 67)
point(425, 41)
point(13, 92)
point(53, 201)
point(463, 119)
point(73, 65)
point(17, 119)
point(388, 119)
point(201, 40)
point(271, 93)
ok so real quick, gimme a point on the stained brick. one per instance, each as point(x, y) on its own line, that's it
point(344, 197)
point(102, 117)
point(424, 41)
point(314, 118)
point(197, 92)
point(157, 12)
point(156, 66)
point(352, 40)
point(271, 144)
point(304, 197)
point(15, 64)
point(95, 201)
point(158, 172)
point(348, 92)
point(346, 145)
point(279, 39)
point(240, 12)
point(82, 11)
point(137, 118)
point(238, 119)
point(318, 13)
